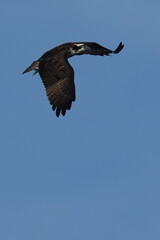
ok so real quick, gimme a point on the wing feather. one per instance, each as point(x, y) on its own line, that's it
point(58, 78)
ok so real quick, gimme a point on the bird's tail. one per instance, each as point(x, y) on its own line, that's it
point(33, 66)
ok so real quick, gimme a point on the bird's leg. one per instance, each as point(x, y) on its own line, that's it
point(36, 71)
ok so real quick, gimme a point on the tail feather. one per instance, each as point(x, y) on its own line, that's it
point(33, 66)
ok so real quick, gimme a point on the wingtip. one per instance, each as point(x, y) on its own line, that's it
point(119, 48)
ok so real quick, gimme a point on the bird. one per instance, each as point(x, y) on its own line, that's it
point(58, 75)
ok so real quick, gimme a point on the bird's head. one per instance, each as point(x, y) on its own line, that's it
point(78, 49)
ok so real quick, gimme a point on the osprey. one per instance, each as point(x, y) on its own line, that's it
point(57, 74)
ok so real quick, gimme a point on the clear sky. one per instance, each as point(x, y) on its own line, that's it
point(93, 174)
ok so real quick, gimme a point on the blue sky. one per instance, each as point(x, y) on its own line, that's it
point(93, 174)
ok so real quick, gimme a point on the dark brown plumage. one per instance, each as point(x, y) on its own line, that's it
point(57, 74)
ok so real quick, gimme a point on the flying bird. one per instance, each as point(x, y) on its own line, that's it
point(57, 74)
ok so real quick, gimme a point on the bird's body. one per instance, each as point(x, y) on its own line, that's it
point(57, 74)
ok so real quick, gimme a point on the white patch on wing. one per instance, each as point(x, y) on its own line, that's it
point(73, 52)
point(82, 48)
point(79, 44)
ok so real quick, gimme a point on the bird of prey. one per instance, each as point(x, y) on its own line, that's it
point(57, 74)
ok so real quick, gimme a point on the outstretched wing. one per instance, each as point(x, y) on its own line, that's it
point(96, 49)
point(58, 78)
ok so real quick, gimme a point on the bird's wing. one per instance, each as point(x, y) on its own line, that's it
point(96, 49)
point(58, 78)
